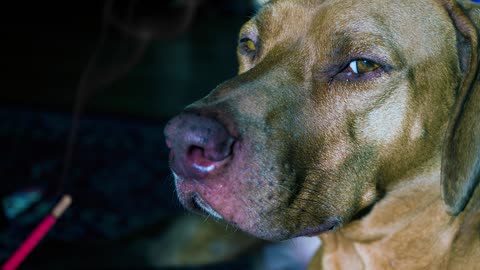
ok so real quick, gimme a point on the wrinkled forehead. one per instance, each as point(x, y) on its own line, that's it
point(417, 26)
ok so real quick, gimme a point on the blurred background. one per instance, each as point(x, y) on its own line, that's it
point(87, 89)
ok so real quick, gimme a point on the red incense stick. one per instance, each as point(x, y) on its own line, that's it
point(37, 234)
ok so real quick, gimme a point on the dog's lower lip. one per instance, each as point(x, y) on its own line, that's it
point(199, 204)
point(325, 227)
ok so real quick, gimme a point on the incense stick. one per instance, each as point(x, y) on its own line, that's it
point(37, 234)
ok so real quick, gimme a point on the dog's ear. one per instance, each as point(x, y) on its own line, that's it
point(461, 153)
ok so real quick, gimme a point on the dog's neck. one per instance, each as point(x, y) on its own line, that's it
point(409, 218)
point(402, 205)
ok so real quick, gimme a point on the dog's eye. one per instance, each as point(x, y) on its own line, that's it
point(250, 45)
point(359, 70)
point(362, 66)
point(247, 45)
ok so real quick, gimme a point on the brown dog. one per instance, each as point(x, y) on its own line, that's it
point(359, 120)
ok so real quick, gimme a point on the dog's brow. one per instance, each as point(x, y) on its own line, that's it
point(347, 45)
point(248, 29)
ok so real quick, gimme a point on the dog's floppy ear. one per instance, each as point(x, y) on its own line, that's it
point(461, 153)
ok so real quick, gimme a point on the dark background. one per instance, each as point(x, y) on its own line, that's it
point(49, 45)
point(126, 86)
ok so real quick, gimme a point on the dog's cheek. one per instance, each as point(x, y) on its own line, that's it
point(383, 125)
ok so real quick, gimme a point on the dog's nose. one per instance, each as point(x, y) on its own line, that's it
point(198, 145)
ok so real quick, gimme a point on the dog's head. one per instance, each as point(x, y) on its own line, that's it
point(335, 102)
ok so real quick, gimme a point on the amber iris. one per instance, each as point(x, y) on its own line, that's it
point(362, 66)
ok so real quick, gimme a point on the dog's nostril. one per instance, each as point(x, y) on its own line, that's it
point(195, 150)
point(219, 151)
point(196, 154)
point(216, 151)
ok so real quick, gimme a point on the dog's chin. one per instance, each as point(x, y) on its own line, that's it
point(197, 199)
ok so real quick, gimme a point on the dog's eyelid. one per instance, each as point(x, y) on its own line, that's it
point(244, 39)
point(376, 56)
point(247, 40)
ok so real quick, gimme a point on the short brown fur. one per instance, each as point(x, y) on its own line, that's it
point(384, 166)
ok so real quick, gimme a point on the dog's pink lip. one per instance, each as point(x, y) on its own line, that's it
point(190, 195)
point(198, 204)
